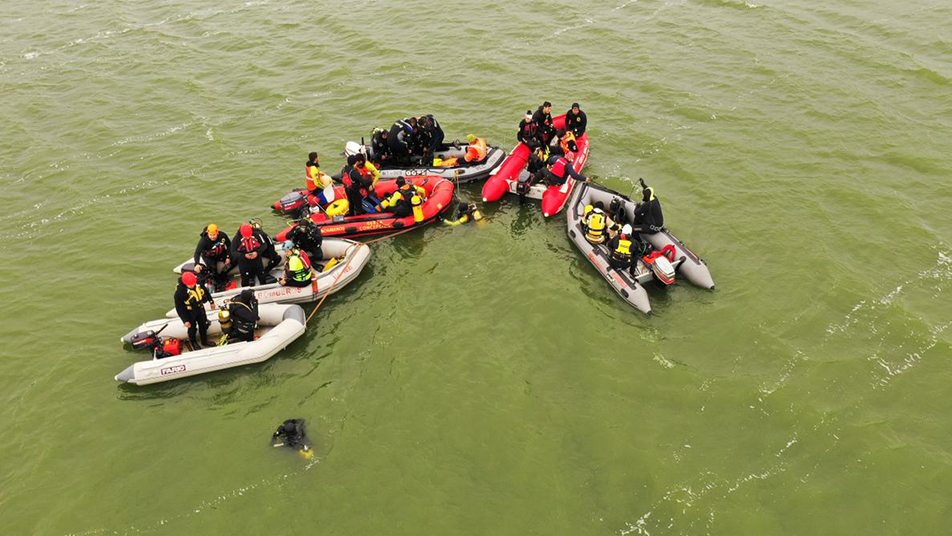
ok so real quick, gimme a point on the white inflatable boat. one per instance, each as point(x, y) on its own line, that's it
point(279, 326)
point(349, 258)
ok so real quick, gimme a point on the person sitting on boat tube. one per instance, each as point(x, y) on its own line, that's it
point(648, 216)
point(434, 134)
point(559, 169)
point(297, 271)
point(576, 120)
point(476, 151)
point(190, 297)
point(243, 310)
point(595, 223)
point(213, 247)
point(529, 132)
point(319, 184)
point(566, 143)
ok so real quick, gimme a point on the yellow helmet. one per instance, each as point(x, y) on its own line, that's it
point(212, 229)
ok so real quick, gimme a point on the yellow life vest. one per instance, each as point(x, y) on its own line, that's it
point(195, 296)
point(596, 228)
point(624, 247)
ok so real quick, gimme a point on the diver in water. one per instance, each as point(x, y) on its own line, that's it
point(292, 434)
point(465, 213)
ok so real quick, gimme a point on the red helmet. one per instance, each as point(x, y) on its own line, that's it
point(189, 279)
point(246, 230)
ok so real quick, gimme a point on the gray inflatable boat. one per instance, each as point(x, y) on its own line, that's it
point(279, 326)
point(349, 258)
point(464, 172)
point(630, 285)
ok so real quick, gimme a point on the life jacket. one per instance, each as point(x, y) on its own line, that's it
point(596, 227)
point(249, 244)
point(345, 177)
point(622, 251)
point(569, 137)
point(558, 169)
point(194, 297)
point(299, 267)
point(476, 152)
point(530, 130)
point(217, 248)
point(311, 173)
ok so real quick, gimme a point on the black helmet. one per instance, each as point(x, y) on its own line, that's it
point(247, 295)
point(352, 159)
point(401, 181)
point(599, 205)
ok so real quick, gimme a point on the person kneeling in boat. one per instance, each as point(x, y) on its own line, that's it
point(297, 271)
point(648, 216)
point(213, 247)
point(380, 147)
point(529, 132)
point(595, 223)
point(243, 310)
point(308, 237)
point(434, 136)
point(559, 169)
point(401, 200)
point(190, 298)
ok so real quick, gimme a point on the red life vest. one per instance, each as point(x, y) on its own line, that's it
point(558, 169)
point(249, 244)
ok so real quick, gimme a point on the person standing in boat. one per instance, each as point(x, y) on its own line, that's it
point(648, 216)
point(363, 177)
point(190, 297)
point(543, 120)
point(529, 132)
point(576, 120)
point(248, 249)
point(434, 135)
point(213, 247)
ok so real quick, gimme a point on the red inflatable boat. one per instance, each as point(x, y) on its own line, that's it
point(439, 197)
point(506, 178)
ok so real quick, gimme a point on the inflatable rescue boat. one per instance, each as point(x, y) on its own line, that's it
point(462, 171)
point(439, 197)
point(506, 178)
point(279, 325)
point(630, 284)
point(342, 262)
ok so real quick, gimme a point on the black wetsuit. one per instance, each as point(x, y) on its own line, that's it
point(361, 187)
point(190, 308)
point(576, 123)
point(648, 217)
point(209, 253)
point(291, 434)
point(529, 134)
point(381, 149)
point(543, 122)
point(308, 237)
point(244, 317)
point(553, 177)
point(250, 268)
point(434, 137)
point(399, 139)
point(619, 261)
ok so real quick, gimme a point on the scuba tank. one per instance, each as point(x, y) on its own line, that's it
point(224, 320)
point(417, 203)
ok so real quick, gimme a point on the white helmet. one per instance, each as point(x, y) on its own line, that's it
point(626, 230)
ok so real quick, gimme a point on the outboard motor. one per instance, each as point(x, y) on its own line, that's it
point(292, 203)
point(147, 339)
point(352, 147)
point(663, 270)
